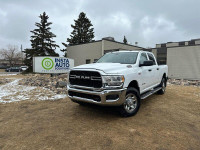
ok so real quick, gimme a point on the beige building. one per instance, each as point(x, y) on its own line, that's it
point(184, 62)
point(90, 52)
point(182, 58)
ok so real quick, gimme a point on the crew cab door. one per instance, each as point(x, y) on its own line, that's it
point(144, 72)
point(154, 71)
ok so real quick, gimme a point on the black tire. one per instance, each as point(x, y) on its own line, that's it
point(124, 108)
point(163, 85)
point(82, 103)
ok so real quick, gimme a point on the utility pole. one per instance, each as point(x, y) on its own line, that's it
point(22, 53)
point(21, 48)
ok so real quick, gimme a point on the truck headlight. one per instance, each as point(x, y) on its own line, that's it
point(113, 80)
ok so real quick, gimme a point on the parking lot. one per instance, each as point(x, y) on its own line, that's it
point(170, 121)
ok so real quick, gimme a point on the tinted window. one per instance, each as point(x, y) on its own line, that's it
point(191, 42)
point(87, 61)
point(163, 45)
point(162, 56)
point(143, 58)
point(119, 57)
point(151, 58)
point(181, 43)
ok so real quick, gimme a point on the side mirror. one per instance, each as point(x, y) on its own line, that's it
point(147, 63)
point(95, 60)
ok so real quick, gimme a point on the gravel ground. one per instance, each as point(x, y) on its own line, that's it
point(170, 121)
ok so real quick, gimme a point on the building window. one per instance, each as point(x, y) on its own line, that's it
point(181, 43)
point(88, 61)
point(191, 43)
point(163, 45)
point(148, 50)
point(162, 56)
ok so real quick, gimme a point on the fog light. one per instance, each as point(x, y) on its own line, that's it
point(112, 97)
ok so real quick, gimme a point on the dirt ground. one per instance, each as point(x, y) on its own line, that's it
point(170, 121)
point(18, 76)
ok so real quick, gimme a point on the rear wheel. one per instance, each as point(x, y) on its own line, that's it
point(163, 86)
point(131, 104)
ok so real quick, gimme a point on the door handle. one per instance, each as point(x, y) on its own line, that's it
point(149, 70)
point(157, 68)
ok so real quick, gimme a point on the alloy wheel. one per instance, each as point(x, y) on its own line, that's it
point(131, 103)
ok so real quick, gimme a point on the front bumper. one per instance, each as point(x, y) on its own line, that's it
point(103, 96)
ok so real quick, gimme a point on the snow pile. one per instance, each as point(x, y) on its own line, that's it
point(12, 74)
point(13, 92)
point(184, 82)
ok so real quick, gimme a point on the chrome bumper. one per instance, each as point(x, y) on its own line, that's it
point(102, 94)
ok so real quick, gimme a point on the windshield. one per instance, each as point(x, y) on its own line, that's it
point(119, 57)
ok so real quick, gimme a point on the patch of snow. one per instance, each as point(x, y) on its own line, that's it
point(59, 96)
point(13, 92)
point(8, 74)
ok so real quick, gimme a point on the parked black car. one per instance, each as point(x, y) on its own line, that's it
point(3, 67)
point(13, 69)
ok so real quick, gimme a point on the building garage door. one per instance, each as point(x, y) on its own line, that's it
point(184, 62)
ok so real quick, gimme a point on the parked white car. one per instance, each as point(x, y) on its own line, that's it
point(120, 78)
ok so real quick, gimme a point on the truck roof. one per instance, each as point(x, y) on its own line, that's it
point(124, 51)
point(127, 51)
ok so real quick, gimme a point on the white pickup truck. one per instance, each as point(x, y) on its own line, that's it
point(121, 78)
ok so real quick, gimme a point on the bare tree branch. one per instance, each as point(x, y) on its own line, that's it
point(12, 54)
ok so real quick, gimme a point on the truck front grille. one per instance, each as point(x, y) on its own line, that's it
point(85, 78)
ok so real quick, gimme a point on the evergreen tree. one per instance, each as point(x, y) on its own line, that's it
point(125, 40)
point(64, 50)
point(82, 31)
point(42, 42)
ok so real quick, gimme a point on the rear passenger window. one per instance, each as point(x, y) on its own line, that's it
point(143, 58)
point(151, 58)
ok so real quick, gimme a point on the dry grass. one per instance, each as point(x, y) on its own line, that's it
point(170, 121)
point(2, 70)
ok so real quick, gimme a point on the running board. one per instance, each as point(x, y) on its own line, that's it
point(147, 94)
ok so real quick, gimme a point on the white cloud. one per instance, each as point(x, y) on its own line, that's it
point(148, 22)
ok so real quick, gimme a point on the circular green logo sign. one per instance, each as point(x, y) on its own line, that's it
point(47, 63)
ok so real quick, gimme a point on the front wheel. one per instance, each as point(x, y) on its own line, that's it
point(131, 104)
point(82, 103)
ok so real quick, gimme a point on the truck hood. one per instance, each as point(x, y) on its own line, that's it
point(110, 68)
